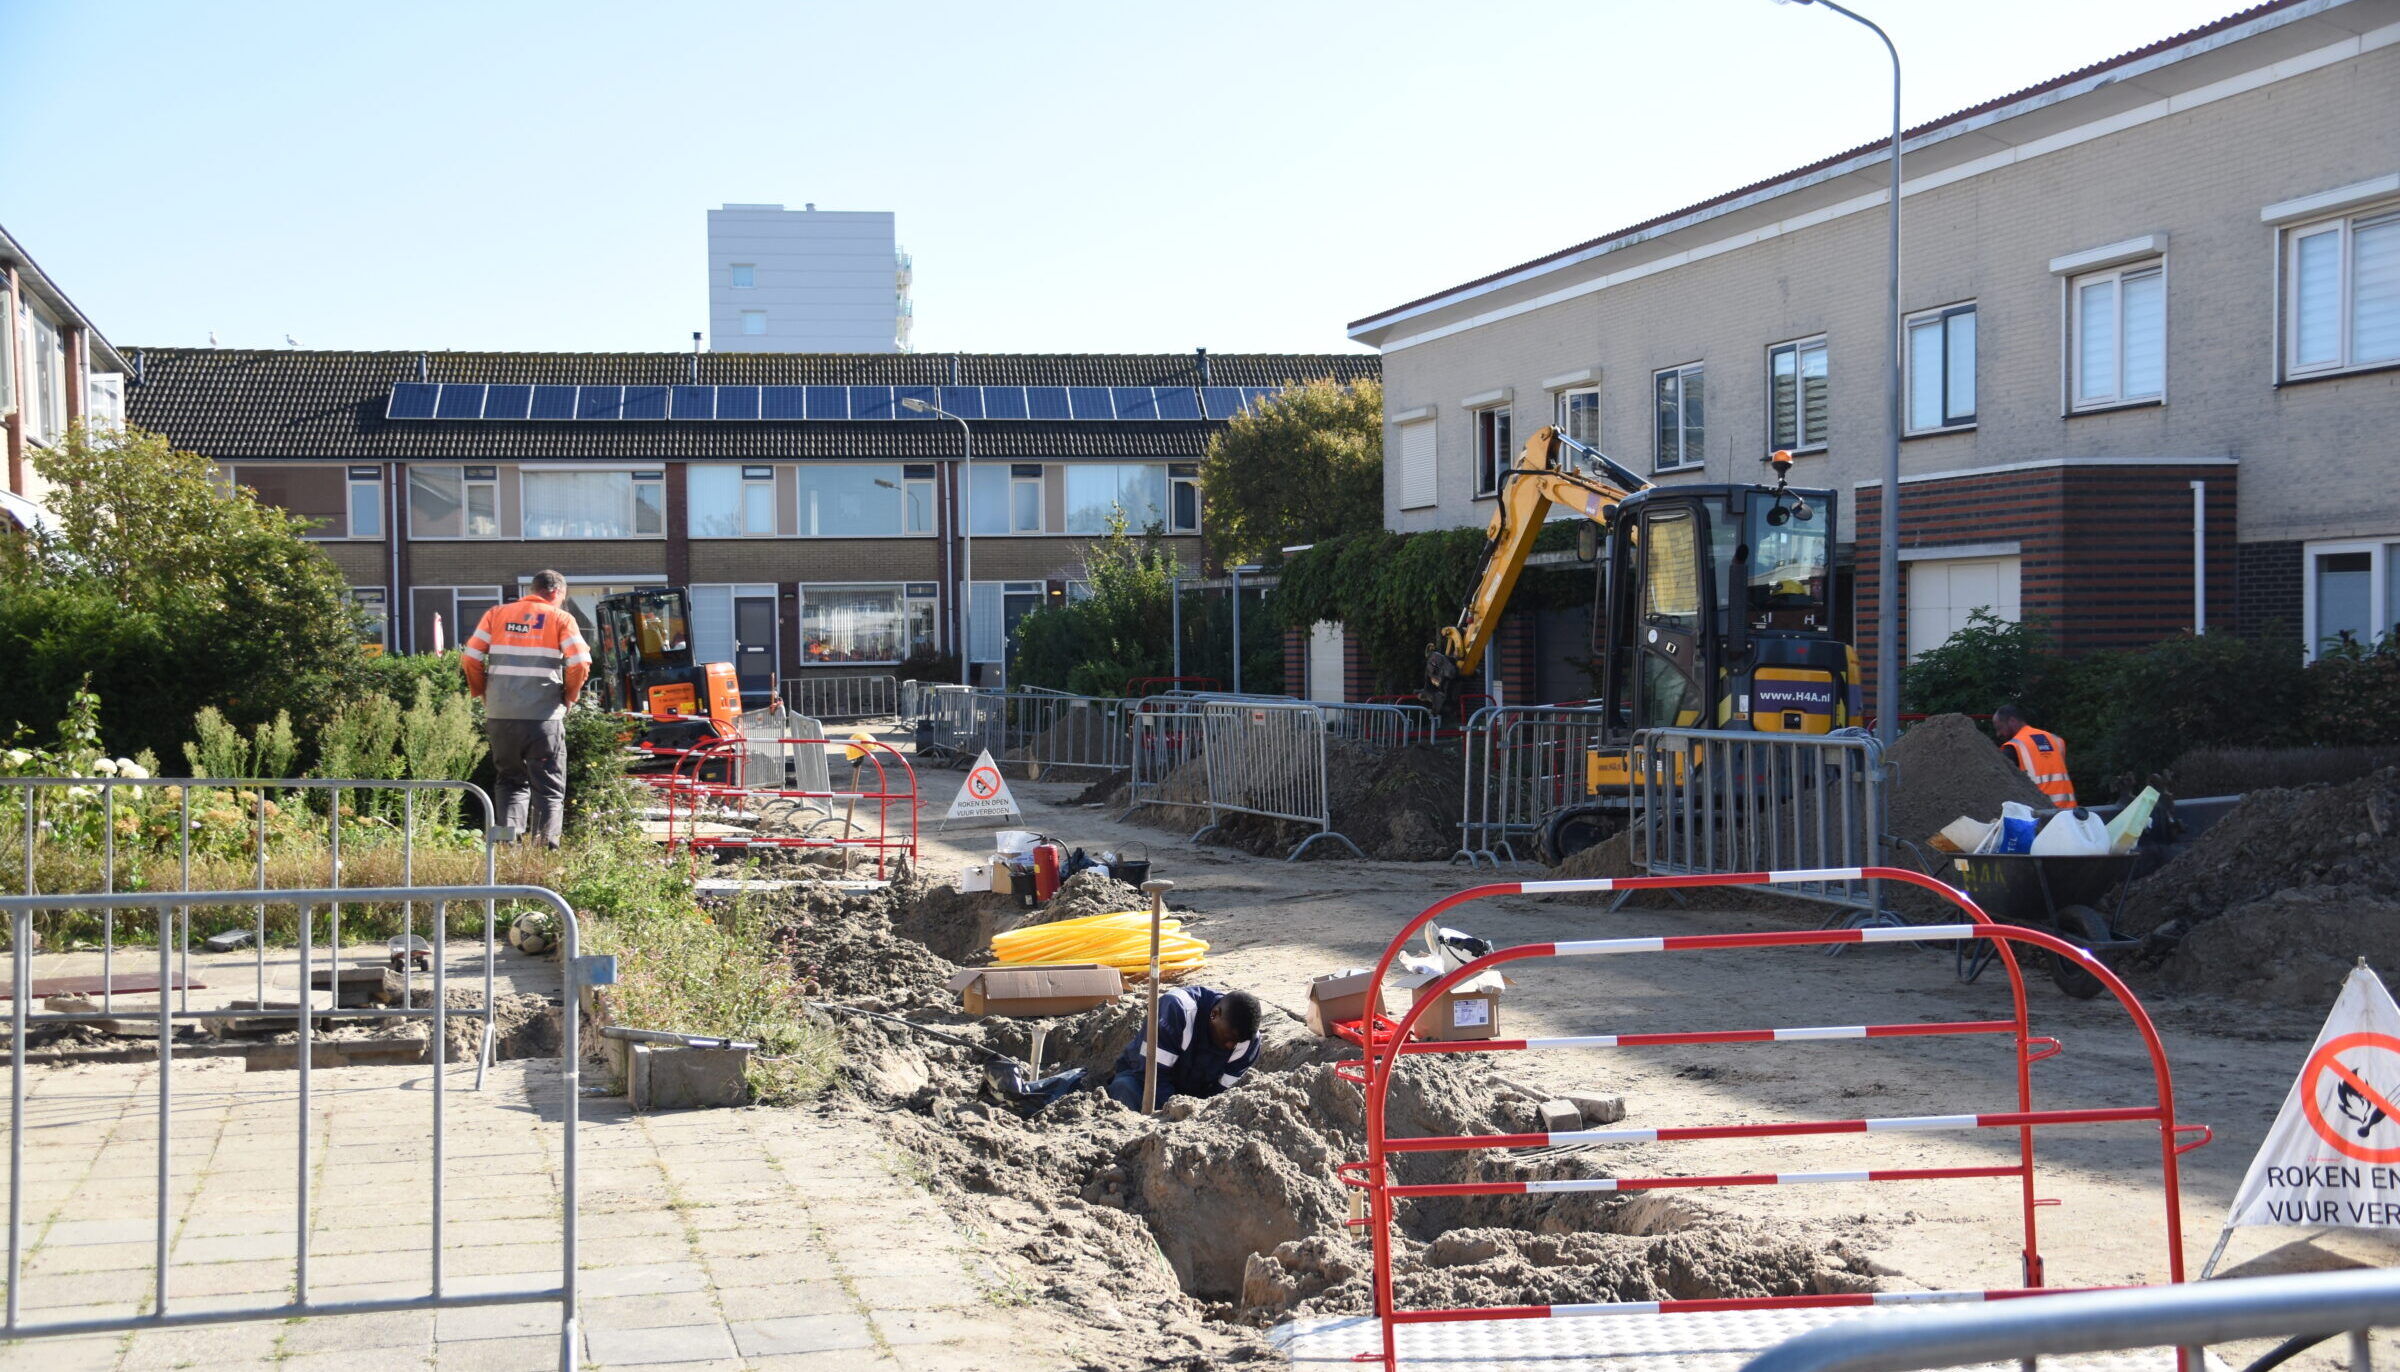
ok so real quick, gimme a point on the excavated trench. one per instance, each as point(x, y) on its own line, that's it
point(1191, 1231)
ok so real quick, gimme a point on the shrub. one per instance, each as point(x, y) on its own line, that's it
point(1093, 645)
point(221, 752)
point(2353, 695)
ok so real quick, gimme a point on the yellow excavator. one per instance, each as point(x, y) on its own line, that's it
point(1714, 609)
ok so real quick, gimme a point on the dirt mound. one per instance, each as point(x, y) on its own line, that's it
point(843, 947)
point(1396, 804)
point(1945, 767)
point(2277, 900)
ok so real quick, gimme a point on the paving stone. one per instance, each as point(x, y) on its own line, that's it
point(394, 1329)
point(740, 1303)
point(900, 1327)
point(802, 1334)
point(251, 1341)
point(640, 1280)
point(497, 1322)
point(660, 1310)
point(523, 1354)
point(683, 1344)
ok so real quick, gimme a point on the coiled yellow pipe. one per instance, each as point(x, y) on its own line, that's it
point(1120, 940)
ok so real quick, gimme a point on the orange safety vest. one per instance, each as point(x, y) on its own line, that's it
point(2043, 755)
point(527, 660)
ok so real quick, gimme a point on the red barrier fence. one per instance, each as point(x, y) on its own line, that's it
point(1386, 1040)
point(878, 817)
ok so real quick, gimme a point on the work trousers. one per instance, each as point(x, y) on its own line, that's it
point(531, 757)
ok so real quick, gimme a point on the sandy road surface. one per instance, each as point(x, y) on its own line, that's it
point(1274, 925)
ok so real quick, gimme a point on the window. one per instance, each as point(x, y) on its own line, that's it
point(8, 359)
point(993, 609)
point(864, 623)
point(46, 400)
point(1183, 498)
point(2117, 336)
point(1098, 491)
point(1944, 591)
point(1682, 418)
point(453, 502)
point(754, 323)
point(1796, 395)
point(1006, 499)
point(584, 504)
point(366, 502)
point(745, 275)
point(2344, 295)
point(729, 502)
point(917, 492)
point(1941, 369)
point(2351, 593)
point(1492, 454)
point(447, 614)
point(842, 500)
point(1417, 489)
point(1579, 415)
point(377, 606)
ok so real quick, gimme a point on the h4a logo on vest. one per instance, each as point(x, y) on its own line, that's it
point(2333, 1157)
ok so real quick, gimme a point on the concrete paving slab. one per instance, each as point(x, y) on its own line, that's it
point(802, 1334)
point(680, 1344)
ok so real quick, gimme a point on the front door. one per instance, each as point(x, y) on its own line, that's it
point(754, 648)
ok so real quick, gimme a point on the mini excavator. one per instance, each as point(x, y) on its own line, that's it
point(1713, 610)
point(642, 665)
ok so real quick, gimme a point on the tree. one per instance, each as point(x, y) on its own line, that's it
point(172, 591)
point(1119, 631)
point(1305, 466)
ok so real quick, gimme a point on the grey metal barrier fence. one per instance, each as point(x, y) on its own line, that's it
point(843, 697)
point(19, 911)
point(1268, 758)
point(2300, 1309)
point(1163, 734)
point(97, 835)
point(1521, 762)
point(1727, 801)
point(1080, 735)
point(1375, 726)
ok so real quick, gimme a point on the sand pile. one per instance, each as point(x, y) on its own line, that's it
point(2277, 900)
point(843, 947)
point(1945, 767)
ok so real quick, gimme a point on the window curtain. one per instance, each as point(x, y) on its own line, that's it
point(577, 504)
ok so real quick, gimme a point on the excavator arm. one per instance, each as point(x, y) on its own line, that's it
point(1552, 469)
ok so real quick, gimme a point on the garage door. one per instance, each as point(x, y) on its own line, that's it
point(1942, 592)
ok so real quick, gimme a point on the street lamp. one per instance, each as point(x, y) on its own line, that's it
point(966, 532)
point(1237, 619)
point(1887, 560)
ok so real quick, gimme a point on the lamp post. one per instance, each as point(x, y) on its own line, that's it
point(966, 533)
point(1887, 558)
point(1237, 620)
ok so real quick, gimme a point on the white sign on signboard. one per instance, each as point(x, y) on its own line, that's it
point(985, 794)
point(2333, 1157)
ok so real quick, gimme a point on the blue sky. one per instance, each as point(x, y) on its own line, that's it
point(1084, 177)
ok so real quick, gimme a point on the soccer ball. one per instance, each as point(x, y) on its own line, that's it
point(534, 933)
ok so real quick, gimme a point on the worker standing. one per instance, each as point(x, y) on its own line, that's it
point(527, 662)
point(2042, 754)
point(1206, 1040)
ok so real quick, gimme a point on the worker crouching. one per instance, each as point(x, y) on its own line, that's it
point(2041, 754)
point(1206, 1040)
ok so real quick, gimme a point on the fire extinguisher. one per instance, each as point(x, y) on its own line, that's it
point(1047, 859)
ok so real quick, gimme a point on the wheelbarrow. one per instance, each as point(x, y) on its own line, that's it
point(2059, 895)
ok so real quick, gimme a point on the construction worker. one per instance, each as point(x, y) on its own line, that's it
point(526, 662)
point(1192, 1062)
point(2041, 753)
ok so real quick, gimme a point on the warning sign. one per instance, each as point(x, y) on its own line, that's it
point(986, 795)
point(2333, 1157)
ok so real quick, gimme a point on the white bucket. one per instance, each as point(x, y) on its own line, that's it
point(1015, 843)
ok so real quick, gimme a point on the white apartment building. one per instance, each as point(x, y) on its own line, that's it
point(55, 369)
point(806, 281)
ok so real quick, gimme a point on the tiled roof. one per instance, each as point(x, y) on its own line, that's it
point(1880, 145)
point(270, 403)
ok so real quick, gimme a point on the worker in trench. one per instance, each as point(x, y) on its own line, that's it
point(2042, 754)
point(1206, 1040)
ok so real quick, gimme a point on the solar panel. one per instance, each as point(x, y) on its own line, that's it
point(930, 395)
point(1090, 402)
point(964, 401)
point(1003, 402)
point(460, 402)
point(1135, 402)
point(506, 402)
point(872, 402)
point(1046, 402)
point(412, 400)
point(783, 402)
point(1178, 402)
point(599, 402)
point(553, 402)
point(695, 402)
point(737, 402)
point(1251, 395)
point(824, 402)
point(1221, 402)
point(645, 402)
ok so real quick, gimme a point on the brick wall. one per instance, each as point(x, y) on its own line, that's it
point(2270, 598)
point(487, 562)
point(1295, 662)
point(1358, 674)
point(816, 559)
point(1513, 651)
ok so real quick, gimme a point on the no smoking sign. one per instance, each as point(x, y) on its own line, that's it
point(2344, 1106)
point(983, 783)
point(985, 796)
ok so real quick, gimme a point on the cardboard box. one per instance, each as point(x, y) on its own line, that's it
point(1469, 1010)
point(1339, 997)
point(1031, 992)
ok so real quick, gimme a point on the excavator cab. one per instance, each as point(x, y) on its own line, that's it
point(642, 665)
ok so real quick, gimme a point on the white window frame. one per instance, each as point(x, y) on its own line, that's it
point(1420, 481)
point(976, 618)
point(2381, 610)
point(734, 272)
point(918, 492)
point(1682, 372)
point(491, 484)
point(370, 478)
point(636, 478)
point(2077, 401)
point(8, 359)
point(1803, 441)
point(1563, 404)
point(2346, 227)
point(908, 599)
point(378, 601)
point(1166, 515)
point(1183, 476)
point(761, 317)
point(1495, 448)
point(1939, 316)
point(452, 634)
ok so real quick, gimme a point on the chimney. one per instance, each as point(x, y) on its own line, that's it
point(1203, 352)
point(420, 366)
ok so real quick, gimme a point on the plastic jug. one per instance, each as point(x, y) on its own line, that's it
point(2132, 822)
point(2072, 833)
point(1015, 843)
point(2016, 828)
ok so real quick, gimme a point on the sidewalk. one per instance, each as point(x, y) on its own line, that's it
point(761, 1239)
